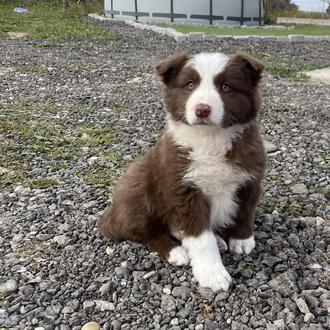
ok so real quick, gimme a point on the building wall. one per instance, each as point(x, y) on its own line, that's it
point(215, 12)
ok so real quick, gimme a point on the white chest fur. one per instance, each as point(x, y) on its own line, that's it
point(209, 170)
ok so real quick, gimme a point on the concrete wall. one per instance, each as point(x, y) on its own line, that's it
point(304, 21)
point(215, 12)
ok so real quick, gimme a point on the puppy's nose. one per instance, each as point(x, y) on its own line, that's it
point(202, 110)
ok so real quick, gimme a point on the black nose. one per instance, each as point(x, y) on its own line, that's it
point(202, 110)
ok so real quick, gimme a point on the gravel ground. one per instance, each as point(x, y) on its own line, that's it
point(72, 115)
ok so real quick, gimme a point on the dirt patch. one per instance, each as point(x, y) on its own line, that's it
point(320, 75)
point(16, 35)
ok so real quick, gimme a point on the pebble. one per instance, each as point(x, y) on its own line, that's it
point(309, 317)
point(167, 290)
point(8, 287)
point(91, 326)
point(284, 284)
point(168, 303)
point(270, 147)
point(149, 274)
point(301, 303)
point(109, 251)
point(88, 306)
point(299, 188)
point(61, 239)
point(319, 221)
point(104, 305)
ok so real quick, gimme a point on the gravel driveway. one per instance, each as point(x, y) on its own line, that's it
point(72, 115)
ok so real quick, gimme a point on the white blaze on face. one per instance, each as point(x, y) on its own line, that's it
point(208, 66)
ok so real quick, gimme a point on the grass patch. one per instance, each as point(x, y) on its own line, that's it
point(27, 133)
point(43, 183)
point(95, 136)
point(9, 179)
point(48, 20)
point(298, 29)
point(281, 205)
point(283, 67)
point(291, 70)
point(99, 176)
point(32, 69)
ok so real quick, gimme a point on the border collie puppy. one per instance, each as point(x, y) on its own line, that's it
point(199, 186)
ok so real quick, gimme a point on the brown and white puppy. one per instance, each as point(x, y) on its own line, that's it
point(203, 177)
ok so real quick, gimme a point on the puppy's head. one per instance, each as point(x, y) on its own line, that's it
point(211, 88)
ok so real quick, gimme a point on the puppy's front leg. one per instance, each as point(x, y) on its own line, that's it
point(206, 262)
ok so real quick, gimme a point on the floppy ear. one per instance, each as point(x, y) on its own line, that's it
point(251, 66)
point(171, 66)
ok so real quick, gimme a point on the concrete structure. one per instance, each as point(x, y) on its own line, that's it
point(304, 21)
point(208, 12)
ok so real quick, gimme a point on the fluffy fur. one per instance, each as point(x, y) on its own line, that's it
point(199, 186)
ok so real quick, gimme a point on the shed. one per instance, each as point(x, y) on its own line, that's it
point(206, 12)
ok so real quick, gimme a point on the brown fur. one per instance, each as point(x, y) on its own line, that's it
point(151, 199)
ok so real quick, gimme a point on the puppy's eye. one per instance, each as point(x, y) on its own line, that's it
point(190, 85)
point(226, 88)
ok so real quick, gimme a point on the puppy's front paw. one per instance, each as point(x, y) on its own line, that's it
point(178, 256)
point(213, 276)
point(242, 245)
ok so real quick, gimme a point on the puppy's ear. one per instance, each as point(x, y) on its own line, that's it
point(170, 67)
point(250, 66)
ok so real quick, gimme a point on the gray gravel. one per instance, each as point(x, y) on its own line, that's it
point(57, 273)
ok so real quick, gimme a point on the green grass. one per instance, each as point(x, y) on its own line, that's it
point(43, 183)
point(283, 67)
point(48, 20)
point(27, 132)
point(299, 29)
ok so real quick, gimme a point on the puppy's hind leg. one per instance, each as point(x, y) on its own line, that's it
point(160, 241)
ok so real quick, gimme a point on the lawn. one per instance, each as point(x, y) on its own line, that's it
point(48, 20)
point(298, 29)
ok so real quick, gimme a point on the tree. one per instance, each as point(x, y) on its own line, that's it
point(279, 5)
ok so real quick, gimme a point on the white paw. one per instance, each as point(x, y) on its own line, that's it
point(222, 245)
point(213, 276)
point(242, 245)
point(178, 256)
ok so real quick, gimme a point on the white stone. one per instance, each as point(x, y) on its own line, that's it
point(270, 147)
point(167, 290)
point(92, 160)
point(279, 324)
point(309, 317)
point(175, 321)
point(91, 326)
point(104, 305)
point(109, 251)
point(301, 303)
point(149, 274)
point(319, 221)
point(8, 287)
point(61, 239)
point(299, 188)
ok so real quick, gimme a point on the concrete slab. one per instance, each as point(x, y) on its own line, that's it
point(320, 75)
